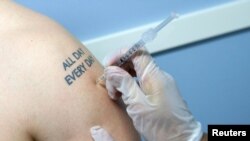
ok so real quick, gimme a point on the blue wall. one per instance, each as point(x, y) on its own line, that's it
point(88, 19)
point(213, 75)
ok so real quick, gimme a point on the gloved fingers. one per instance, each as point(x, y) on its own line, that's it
point(112, 92)
point(140, 65)
point(100, 134)
point(143, 63)
point(120, 80)
point(112, 58)
point(114, 76)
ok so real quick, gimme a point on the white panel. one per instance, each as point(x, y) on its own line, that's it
point(186, 29)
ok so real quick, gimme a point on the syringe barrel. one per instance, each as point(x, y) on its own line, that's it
point(145, 38)
point(130, 53)
point(123, 59)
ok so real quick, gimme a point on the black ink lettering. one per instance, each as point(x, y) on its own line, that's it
point(65, 66)
point(78, 72)
point(89, 61)
point(82, 66)
point(80, 69)
point(81, 51)
point(68, 80)
point(68, 63)
point(78, 54)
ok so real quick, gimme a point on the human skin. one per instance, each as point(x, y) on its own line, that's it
point(38, 101)
point(204, 137)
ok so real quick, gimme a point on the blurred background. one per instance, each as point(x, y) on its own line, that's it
point(213, 75)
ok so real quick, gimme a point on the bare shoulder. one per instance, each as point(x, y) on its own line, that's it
point(36, 51)
point(41, 64)
point(47, 82)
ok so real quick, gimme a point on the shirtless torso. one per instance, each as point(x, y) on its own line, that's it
point(47, 83)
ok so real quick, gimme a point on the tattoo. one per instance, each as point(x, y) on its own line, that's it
point(80, 69)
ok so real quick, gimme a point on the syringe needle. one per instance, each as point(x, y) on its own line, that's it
point(165, 22)
point(151, 33)
point(146, 37)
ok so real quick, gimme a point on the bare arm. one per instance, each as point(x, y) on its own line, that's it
point(47, 85)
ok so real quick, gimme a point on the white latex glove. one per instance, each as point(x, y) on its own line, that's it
point(100, 134)
point(153, 102)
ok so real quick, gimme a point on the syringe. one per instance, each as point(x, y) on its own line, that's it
point(146, 37)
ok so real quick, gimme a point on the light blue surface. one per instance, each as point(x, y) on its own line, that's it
point(213, 77)
point(89, 19)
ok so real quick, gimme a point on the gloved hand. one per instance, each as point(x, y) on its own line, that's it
point(100, 134)
point(153, 102)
